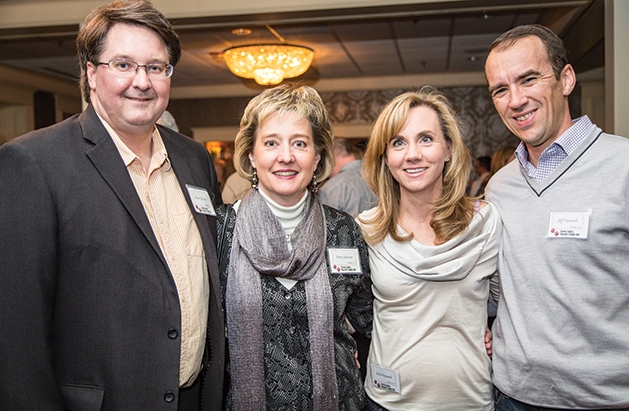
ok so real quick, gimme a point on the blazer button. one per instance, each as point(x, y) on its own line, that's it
point(169, 397)
point(172, 333)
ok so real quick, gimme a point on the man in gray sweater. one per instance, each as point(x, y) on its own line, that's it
point(561, 338)
point(346, 190)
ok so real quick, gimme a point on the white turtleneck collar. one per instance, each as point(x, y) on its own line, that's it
point(289, 218)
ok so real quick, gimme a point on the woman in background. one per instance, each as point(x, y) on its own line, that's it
point(294, 270)
point(501, 157)
point(433, 252)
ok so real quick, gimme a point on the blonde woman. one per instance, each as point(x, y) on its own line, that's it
point(433, 252)
point(292, 269)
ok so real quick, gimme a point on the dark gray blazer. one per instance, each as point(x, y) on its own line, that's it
point(89, 312)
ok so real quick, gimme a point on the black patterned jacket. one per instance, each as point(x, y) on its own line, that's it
point(285, 321)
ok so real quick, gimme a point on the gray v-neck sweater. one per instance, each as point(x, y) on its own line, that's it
point(561, 338)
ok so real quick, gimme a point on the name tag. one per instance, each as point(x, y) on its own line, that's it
point(201, 200)
point(385, 378)
point(568, 225)
point(344, 260)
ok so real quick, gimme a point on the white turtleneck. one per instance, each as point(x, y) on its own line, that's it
point(289, 218)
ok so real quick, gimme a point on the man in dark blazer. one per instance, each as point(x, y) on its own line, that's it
point(98, 309)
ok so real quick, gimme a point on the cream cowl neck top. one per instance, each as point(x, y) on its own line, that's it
point(430, 316)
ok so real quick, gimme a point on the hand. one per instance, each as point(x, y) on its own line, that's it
point(356, 359)
point(488, 341)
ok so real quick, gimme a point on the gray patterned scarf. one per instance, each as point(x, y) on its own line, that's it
point(260, 247)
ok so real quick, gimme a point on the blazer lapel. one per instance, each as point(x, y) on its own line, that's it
point(106, 158)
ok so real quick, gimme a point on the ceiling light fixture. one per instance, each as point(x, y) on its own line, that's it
point(268, 64)
point(241, 31)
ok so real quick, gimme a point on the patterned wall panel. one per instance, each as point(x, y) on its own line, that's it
point(483, 129)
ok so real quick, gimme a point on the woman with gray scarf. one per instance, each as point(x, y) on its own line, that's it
point(294, 271)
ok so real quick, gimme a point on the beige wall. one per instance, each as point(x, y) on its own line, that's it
point(14, 121)
point(16, 100)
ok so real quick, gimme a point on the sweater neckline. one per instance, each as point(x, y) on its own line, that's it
point(538, 187)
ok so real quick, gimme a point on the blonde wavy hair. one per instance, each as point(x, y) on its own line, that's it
point(453, 211)
point(287, 97)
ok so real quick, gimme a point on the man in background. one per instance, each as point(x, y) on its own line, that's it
point(167, 120)
point(110, 296)
point(346, 190)
point(235, 188)
point(482, 168)
point(560, 336)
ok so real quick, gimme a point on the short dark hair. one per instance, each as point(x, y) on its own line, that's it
point(90, 41)
point(555, 49)
point(343, 146)
point(485, 162)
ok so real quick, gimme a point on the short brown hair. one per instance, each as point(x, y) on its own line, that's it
point(343, 146)
point(287, 97)
point(555, 49)
point(90, 41)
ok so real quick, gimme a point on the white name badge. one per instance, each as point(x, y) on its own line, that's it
point(344, 260)
point(201, 200)
point(568, 225)
point(385, 378)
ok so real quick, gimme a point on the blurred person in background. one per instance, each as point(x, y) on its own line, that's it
point(482, 169)
point(346, 190)
point(235, 187)
point(501, 157)
point(167, 120)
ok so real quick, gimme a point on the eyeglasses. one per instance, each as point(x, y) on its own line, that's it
point(127, 68)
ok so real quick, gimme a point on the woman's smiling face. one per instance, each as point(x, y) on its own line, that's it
point(284, 157)
point(417, 154)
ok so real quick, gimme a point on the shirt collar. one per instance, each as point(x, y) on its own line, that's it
point(158, 157)
point(568, 141)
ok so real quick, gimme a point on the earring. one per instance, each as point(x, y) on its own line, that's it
point(314, 184)
point(447, 160)
point(254, 179)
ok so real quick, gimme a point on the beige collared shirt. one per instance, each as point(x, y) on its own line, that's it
point(180, 243)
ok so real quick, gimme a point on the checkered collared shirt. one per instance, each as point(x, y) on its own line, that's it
point(557, 152)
